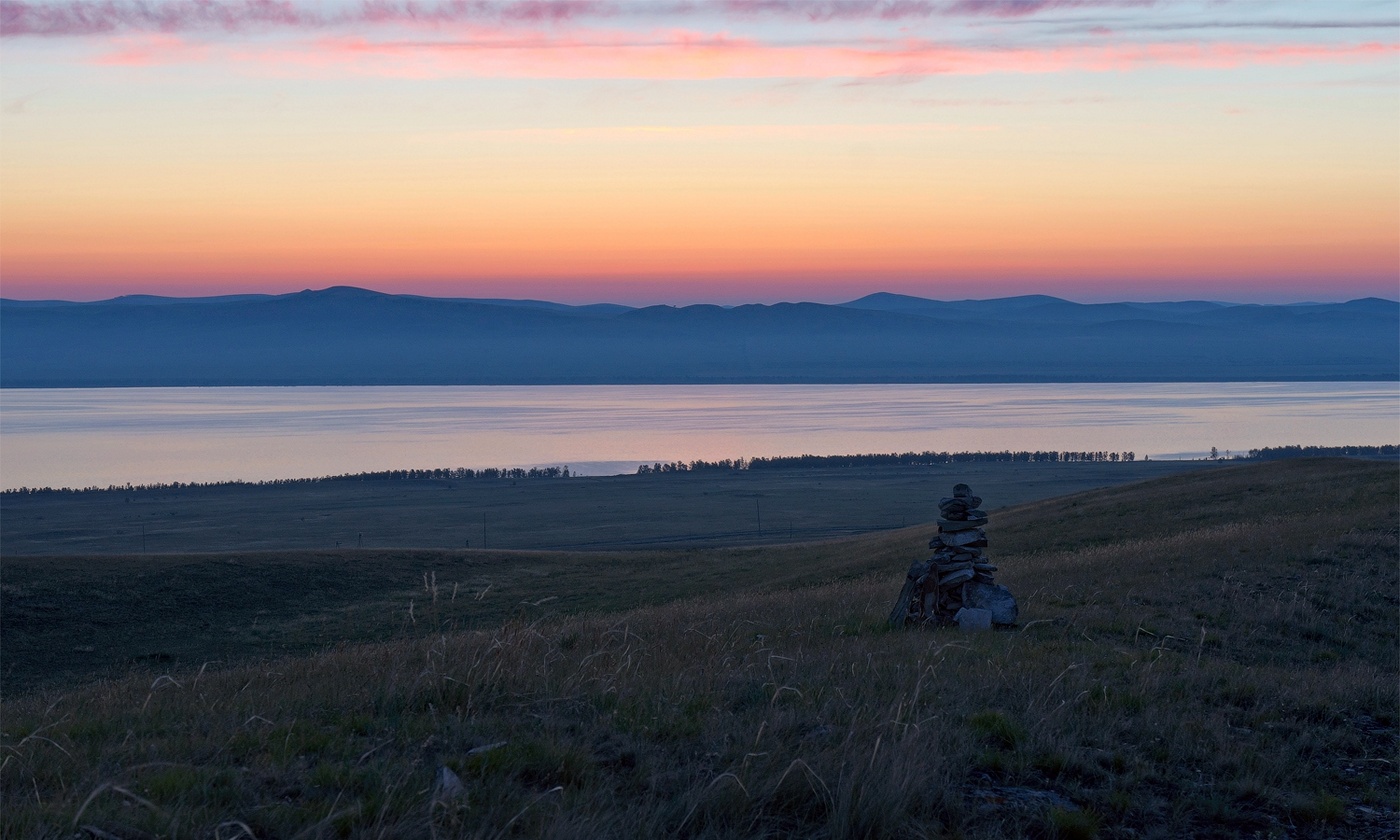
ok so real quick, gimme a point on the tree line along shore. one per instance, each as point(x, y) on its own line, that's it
point(778, 462)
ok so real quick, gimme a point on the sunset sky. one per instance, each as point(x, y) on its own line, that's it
point(680, 152)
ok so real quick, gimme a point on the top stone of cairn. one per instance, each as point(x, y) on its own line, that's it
point(962, 506)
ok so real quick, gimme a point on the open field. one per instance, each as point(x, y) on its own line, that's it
point(1211, 655)
point(74, 616)
point(686, 509)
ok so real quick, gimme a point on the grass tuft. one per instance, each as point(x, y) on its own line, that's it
point(996, 729)
point(1073, 824)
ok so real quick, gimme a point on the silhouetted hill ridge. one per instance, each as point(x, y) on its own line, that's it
point(346, 336)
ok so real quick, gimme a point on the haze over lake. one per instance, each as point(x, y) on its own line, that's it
point(100, 437)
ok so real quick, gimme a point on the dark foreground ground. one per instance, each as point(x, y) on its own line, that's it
point(1207, 655)
point(617, 512)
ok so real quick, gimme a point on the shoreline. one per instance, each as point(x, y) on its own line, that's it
point(761, 463)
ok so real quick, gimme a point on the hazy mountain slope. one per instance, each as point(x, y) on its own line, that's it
point(353, 336)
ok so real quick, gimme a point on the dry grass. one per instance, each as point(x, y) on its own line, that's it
point(1235, 677)
point(69, 620)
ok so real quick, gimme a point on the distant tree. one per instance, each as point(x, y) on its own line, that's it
point(1214, 454)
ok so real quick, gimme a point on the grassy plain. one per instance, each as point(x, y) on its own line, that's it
point(75, 613)
point(1207, 655)
point(615, 512)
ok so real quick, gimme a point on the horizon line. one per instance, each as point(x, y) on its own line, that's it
point(506, 300)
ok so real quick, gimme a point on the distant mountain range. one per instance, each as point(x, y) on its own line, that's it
point(350, 336)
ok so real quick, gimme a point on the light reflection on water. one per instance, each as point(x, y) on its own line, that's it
point(82, 437)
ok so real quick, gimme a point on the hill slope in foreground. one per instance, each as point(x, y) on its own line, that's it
point(1210, 654)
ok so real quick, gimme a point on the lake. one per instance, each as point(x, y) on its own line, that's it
point(87, 437)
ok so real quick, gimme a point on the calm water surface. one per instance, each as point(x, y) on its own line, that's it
point(83, 437)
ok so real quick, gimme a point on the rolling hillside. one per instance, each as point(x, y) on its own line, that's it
point(1205, 655)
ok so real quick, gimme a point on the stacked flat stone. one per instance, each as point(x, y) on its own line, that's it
point(957, 552)
point(956, 585)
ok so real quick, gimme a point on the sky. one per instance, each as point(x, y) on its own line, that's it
point(683, 152)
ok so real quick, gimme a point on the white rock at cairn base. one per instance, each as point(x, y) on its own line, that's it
point(995, 599)
point(970, 618)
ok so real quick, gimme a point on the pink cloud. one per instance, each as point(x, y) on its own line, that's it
point(531, 11)
point(98, 17)
point(76, 18)
point(835, 10)
point(684, 54)
point(549, 39)
point(1026, 8)
point(151, 50)
point(1228, 54)
point(904, 9)
point(79, 18)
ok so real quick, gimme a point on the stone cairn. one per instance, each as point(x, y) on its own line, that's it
point(955, 585)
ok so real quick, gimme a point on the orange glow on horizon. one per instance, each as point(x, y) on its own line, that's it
point(709, 149)
point(555, 221)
